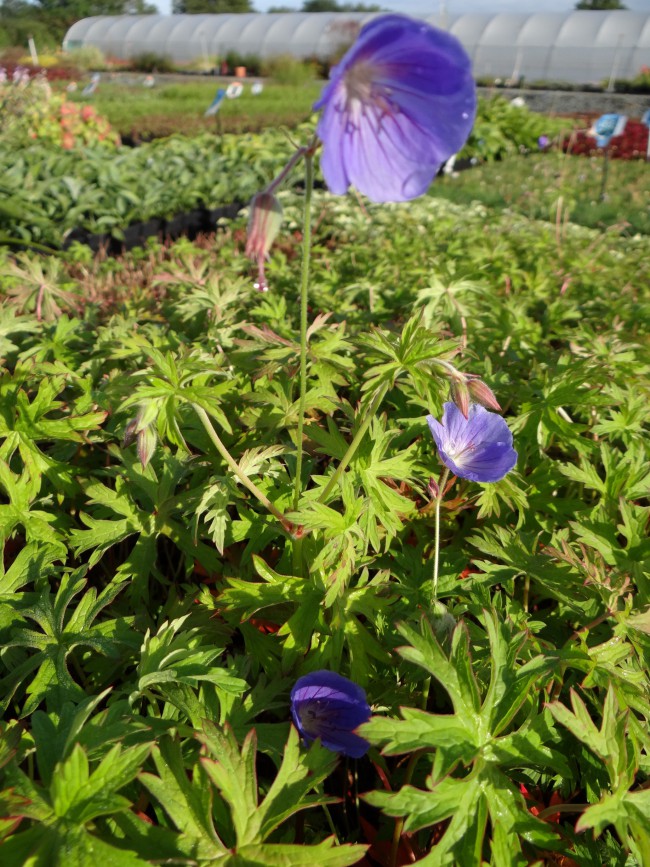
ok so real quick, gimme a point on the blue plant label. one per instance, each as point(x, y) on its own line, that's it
point(646, 118)
point(607, 127)
point(215, 105)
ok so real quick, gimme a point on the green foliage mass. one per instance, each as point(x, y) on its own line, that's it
point(213, 7)
point(600, 4)
point(48, 20)
point(46, 194)
point(154, 616)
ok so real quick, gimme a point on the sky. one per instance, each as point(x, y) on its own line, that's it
point(452, 7)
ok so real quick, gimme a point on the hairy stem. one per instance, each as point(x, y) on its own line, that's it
point(286, 171)
point(304, 299)
point(399, 823)
point(436, 550)
point(236, 469)
point(374, 405)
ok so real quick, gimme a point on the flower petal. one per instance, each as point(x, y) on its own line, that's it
point(478, 448)
point(399, 104)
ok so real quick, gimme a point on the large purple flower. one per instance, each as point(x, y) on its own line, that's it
point(328, 706)
point(398, 105)
point(478, 447)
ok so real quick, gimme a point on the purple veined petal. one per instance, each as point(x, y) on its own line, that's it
point(347, 743)
point(478, 448)
point(398, 105)
point(319, 682)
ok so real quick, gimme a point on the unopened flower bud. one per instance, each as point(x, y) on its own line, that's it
point(433, 489)
point(142, 429)
point(147, 440)
point(443, 623)
point(460, 393)
point(263, 226)
point(481, 393)
point(130, 433)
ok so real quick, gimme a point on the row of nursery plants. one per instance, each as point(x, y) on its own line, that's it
point(48, 192)
point(155, 619)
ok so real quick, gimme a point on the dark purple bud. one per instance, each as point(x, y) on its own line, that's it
point(328, 706)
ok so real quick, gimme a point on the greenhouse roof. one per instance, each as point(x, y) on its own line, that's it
point(575, 46)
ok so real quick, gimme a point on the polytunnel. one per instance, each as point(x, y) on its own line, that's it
point(579, 47)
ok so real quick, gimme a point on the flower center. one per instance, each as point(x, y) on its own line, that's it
point(358, 81)
point(457, 451)
point(314, 717)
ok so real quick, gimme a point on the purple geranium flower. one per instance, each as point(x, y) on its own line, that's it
point(328, 706)
point(398, 105)
point(478, 447)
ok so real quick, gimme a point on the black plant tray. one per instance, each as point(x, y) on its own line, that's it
point(189, 224)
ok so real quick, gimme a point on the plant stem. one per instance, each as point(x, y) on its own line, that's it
point(241, 475)
point(399, 823)
point(304, 299)
point(286, 171)
point(330, 822)
point(380, 394)
point(436, 550)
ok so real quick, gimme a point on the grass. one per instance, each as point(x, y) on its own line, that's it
point(558, 187)
point(166, 109)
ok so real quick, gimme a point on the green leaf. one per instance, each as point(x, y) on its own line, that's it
point(235, 776)
point(187, 799)
point(423, 808)
point(300, 772)
point(422, 730)
point(287, 855)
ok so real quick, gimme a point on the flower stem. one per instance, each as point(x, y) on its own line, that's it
point(304, 299)
point(374, 405)
point(399, 823)
point(286, 171)
point(436, 550)
point(330, 822)
point(241, 475)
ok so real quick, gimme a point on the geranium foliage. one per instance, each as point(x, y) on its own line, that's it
point(155, 616)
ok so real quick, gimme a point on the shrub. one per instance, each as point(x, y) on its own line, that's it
point(639, 84)
point(149, 61)
point(505, 127)
point(252, 62)
point(632, 145)
point(87, 57)
point(288, 70)
point(32, 112)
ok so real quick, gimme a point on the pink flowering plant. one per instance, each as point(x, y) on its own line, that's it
point(324, 535)
point(32, 112)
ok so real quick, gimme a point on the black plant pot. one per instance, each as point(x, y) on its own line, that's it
point(174, 227)
point(151, 229)
point(78, 235)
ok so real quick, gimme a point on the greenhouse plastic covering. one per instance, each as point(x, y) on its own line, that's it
point(580, 47)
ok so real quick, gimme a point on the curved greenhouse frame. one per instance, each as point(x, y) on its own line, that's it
point(577, 47)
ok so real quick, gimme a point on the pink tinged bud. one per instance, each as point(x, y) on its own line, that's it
point(130, 433)
point(460, 394)
point(147, 440)
point(433, 489)
point(263, 226)
point(481, 393)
